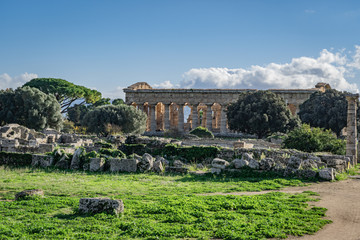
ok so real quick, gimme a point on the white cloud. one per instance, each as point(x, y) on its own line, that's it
point(355, 63)
point(115, 93)
point(6, 81)
point(166, 84)
point(303, 72)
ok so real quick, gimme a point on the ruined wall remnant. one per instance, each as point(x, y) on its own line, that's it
point(351, 135)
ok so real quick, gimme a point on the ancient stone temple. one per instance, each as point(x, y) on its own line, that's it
point(205, 107)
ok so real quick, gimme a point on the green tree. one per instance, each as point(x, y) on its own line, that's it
point(260, 113)
point(117, 101)
point(326, 110)
point(77, 112)
point(66, 93)
point(30, 107)
point(107, 119)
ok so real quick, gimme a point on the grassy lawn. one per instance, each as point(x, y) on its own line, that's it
point(156, 207)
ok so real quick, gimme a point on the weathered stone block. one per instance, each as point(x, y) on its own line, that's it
point(240, 163)
point(241, 144)
point(96, 164)
point(178, 163)
point(101, 205)
point(146, 163)
point(123, 165)
point(46, 147)
point(75, 161)
point(28, 194)
point(62, 163)
point(215, 170)
point(327, 174)
point(41, 160)
point(266, 164)
point(158, 167)
point(219, 163)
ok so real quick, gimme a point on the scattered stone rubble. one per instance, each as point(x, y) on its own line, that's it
point(100, 205)
point(287, 162)
point(26, 194)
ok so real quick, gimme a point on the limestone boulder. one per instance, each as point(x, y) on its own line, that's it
point(26, 194)
point(63, 163)
point(123, 165)
point(178, 163)
point(75, 161)
point(158, 167)
point(219, 163)
point(163, 161)
point(327, 174)
point(253, 164)
point(294, 162)
point(247, 156)
point(266, 164)
point(41, 160)
point(101, 205)
point(146, 163)
point(239, 163)
point(215, 170)
point(96, 164)
point(309, 164)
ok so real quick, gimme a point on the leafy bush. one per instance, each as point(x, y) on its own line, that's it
point(193, 153)
point(309, 139)
point(202, 132)
point(112, 152)
point(15, 159)
point(139, 149)
point(104, 144)
point(126, 118)
point(260, 113)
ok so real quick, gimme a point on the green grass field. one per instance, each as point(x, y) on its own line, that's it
point(156, 207)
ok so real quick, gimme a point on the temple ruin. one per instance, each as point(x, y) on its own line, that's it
point(206, 107)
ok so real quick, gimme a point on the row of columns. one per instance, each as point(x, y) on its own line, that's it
point(194, 113)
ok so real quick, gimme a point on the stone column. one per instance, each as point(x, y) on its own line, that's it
point(194, 116)
point(152, 118)
point(181, 118)
point(351, 131)
point(167, 116)
point(209, 117)
point(223, 120)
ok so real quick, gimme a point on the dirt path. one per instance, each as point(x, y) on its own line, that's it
point(342, 199)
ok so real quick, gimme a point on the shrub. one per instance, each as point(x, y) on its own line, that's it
point(112, 153)
point(193, 153)
point(202, 132)
point(15, 159)
point(309, 139)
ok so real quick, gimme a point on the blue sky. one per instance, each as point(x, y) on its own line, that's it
point(109, 45)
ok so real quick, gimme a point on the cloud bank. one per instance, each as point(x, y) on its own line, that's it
point(300, 73)
point(6, 81)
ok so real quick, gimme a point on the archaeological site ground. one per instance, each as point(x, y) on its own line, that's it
point(188, 174)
